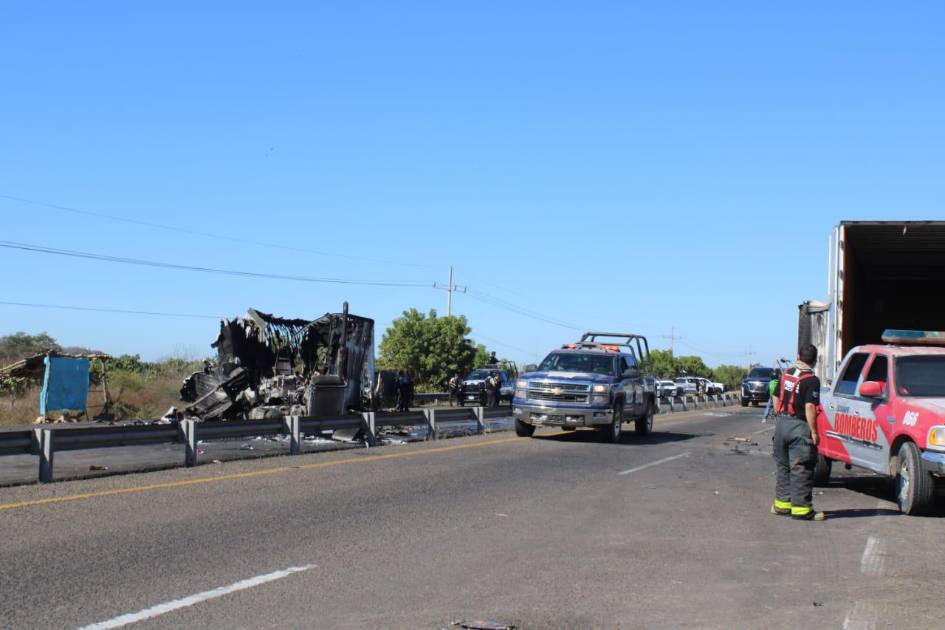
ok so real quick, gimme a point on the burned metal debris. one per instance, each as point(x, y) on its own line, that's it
point(269, 367)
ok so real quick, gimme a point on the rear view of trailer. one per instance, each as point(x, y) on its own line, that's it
point(881, 274)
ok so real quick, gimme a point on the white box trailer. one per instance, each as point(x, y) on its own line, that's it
point(881, 274)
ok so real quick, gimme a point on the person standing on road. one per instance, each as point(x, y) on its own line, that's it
point(399, 390)
point(454, 387)
point(493, 389)
point(795, 438)
point(772, 393)
point(407, 396)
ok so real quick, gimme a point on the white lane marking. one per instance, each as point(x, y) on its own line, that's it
point(657, 462)
point(177, 604)
point(862, 617)
point(874, 557)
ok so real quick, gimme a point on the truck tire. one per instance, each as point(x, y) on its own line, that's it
point(822, 470)
point(523, 429)
point(614, 431)
point(642, 427)
point(915, 487)
point(744, 402)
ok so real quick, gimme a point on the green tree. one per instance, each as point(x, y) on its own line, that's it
point(21, 345)
point(693, 366)
point(433, 348)
point(663, 364)
point(729, 375)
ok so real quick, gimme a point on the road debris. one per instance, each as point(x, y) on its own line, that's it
point(269, 367)
point(482, 624)
point(98, 467)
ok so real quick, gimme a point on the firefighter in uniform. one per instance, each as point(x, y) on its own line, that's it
point(795, 438)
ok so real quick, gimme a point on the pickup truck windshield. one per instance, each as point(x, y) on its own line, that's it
point(577, 362)
point(920, 376)
point(762, 373)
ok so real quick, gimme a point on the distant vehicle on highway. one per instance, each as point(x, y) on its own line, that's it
point(755, 386)
point(712, 388)
point(475, 381)
point(666, 389)
point(687, 385)
point(591, 383)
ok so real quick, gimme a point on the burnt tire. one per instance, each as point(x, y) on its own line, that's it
point(822, 470)
point(642, 427)
point(614, 431)
point(523, 429)
point(915, 487)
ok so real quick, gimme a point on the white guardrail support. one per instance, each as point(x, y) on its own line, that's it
point(291, 424)
point(46, 446)
point(431, 422)
point(370, 435)
point(189, 430)
point(481, 419)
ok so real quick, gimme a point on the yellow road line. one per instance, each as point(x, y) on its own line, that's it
point(246, 475)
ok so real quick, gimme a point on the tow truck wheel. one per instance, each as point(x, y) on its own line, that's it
point(822, 470)
point(614, 430)
point(916, 487)
point(523, 429)
point(644, 426)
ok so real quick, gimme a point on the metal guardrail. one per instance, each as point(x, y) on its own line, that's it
point(45, 440)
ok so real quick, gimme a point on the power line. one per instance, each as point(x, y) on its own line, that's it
point(210, 270)
point(500, 303)
point(214, 235)
point(107, 310)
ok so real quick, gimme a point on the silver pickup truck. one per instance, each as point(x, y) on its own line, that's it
point(591, 383)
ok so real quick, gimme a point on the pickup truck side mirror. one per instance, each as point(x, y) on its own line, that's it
point(631, 373)
point(531, 367)
point(873, 389)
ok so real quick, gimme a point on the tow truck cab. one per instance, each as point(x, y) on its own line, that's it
point(590, 383)
point(885, 412)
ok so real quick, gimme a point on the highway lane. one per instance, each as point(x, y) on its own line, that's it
point(556, 532)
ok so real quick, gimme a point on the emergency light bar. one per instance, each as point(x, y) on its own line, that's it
point(914, 337)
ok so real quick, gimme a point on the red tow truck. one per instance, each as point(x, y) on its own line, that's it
point(885, 412)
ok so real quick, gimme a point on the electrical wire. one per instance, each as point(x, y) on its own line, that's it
point(500, 303)
point(210, 270)
point(106, 310)
point(213, 235)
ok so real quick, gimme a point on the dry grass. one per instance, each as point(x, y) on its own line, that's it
point(134, 395)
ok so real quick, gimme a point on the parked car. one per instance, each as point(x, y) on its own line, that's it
point(712, 388)
point(666, 389)
point(886, 413)
point(687, 385)
point(475, 382)
point(755, 386)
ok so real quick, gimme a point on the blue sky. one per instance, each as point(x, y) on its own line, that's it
point(646, 166)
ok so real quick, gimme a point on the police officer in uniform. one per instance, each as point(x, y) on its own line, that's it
point(454, 389)
point(795, 438)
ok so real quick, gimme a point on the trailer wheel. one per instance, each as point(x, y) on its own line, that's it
point(915, 487)
point(523, 429)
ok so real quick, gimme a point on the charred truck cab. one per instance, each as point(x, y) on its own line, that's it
point(591, 383)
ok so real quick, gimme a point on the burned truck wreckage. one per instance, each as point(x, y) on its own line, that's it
point(270, 367)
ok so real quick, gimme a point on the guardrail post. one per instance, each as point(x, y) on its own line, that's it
point(189, 427)
point(480, 419)
point(45, 442)
point(431, 422)
point(368, 424)
point(291, 424)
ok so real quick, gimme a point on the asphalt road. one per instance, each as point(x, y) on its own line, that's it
point(561, 531)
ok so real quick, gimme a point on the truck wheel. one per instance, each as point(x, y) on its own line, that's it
point(644, 426)
point(523, 429)
point(822, 470)
point(744, 402)
point(916, 487)
point(613, 431)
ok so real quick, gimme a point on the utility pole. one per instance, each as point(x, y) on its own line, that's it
point(449, 288)
point(750, 354)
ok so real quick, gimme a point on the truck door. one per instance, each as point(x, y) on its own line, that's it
point(851, 433)
point(631, 385)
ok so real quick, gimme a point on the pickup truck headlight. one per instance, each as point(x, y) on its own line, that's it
point(936, 439)
point(601, 389)
point(520, 384)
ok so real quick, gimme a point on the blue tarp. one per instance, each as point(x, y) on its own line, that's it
point(65, 385)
